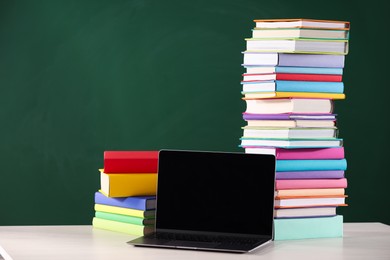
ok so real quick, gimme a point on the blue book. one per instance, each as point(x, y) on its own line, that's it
point(139, 202)
point(302, 228)
point(311, 165)
point(292, 86)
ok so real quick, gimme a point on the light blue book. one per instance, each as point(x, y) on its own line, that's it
point(302, 228)
point(311, 165)
point(293, 86)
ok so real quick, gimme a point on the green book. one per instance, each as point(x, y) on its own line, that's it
point(301, 228)
point(121, 227)
point(125, 219)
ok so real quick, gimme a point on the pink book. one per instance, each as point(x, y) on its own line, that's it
point(310, 184)
point(299, 154)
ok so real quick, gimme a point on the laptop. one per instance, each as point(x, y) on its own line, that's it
point(217, 201)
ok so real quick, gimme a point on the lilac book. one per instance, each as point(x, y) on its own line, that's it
point(310, 175)
point(311, 60)
point(139, 202)
point(289, 116)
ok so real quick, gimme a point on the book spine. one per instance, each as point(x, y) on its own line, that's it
point(311, 165)
point(310, 184)
point(303, 228)
point(121, 227)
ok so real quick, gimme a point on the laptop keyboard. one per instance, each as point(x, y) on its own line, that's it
point(205, 238)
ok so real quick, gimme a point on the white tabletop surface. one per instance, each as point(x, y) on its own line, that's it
point(366, 241)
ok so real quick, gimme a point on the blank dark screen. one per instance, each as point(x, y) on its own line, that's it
point(216, 192)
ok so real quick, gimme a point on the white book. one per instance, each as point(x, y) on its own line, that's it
point(288, 105)
point(299, 33)
point(297, 45)
point(288, 143)
point(309, 202)
point(291, 133)
point(290, 23)
point(292, 123)
point(305, 212)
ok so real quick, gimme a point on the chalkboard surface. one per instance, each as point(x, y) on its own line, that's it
point(81, 77)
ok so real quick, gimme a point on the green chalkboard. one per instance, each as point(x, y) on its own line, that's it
point(81, 77)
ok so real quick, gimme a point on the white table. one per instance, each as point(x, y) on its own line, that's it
point(368, 241)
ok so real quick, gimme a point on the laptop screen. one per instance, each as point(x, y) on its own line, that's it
point(216, 192)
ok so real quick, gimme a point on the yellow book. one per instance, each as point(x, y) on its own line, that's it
point(125, 211)
point(311, 192)
point(259, 95)
point(121, 227)
point(128, 184)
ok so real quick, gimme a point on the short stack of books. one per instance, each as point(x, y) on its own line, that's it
point(293, 75)
point(126, 201)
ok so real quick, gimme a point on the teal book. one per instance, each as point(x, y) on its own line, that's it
point(311, 165)
point(303, 228)
point(292, 86)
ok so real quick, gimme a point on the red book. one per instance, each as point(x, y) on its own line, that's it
point(310, 184)
point(293, 76)
point(130, 161)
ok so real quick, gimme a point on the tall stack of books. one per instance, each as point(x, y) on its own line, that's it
point(293, 75)
point(126, 201)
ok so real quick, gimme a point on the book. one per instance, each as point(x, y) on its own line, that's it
point(287, 105)
point(311, 192)
point(302, 154)
point(130, 161)
point(311, 165)
point(249, 87)
point(121, 227)
point(290, 133)
point(303, 228)
point(293, 123)
point(293, 60)
point(297, 45)
point(125, 211)
point(310, 184)
point(305, 212)
point(308, 202)
point(300, 33)
point(253, 69)
point(290, 143)
point(309, 175)
point(301, 23)
point(125, 218)
point(288, 116)
point(138, 202)
point(278, 94)
point(126, 185)
point(248, 77)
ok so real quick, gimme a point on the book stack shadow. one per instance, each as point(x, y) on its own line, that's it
point(126, 202)
point(293, 76)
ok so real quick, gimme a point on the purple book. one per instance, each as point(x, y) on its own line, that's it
point(247, 116)
point(310, 175)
